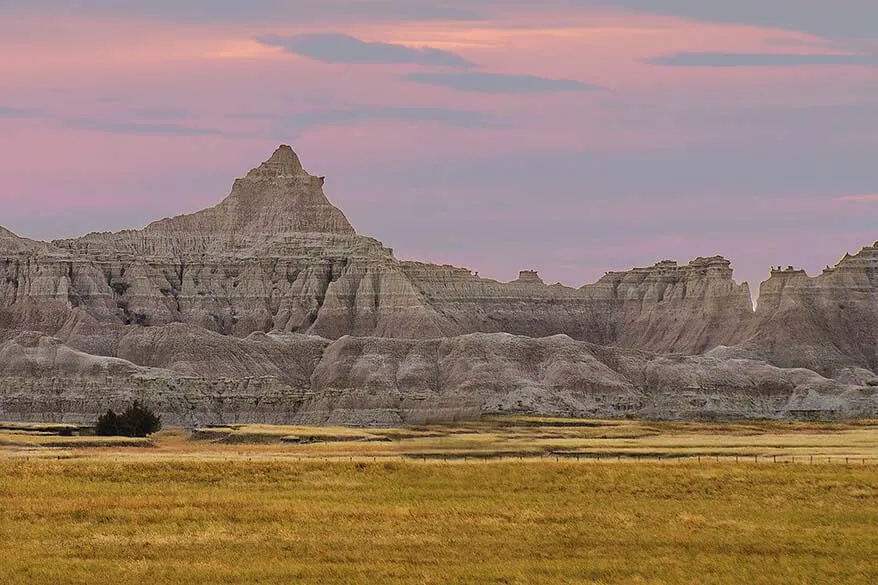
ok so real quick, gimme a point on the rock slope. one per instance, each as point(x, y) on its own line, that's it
point(269, 306)
point(196, 377)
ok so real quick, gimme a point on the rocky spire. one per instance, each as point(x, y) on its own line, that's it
point(284, 163)
point(5, 233)
point(10, 242)
point(277, 199)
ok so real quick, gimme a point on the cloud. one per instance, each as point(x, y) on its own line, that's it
point(870, 197)
point(440, 115)
point(496, 83)
point(825, 18)
point(150, 113)
point(835, 19)
point(794, 163)
point(793, 42)
point(8, 112)
point(143, 121)
point(341, 48)
point(140, 128)
point(171, 122)
point(305, 120)
point(235, 11)
point(762, 60)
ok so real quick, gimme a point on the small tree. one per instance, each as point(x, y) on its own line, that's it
point(108, 424)
point(140, 421)
point(136, 421)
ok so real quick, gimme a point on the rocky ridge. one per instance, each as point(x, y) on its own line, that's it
point(270, 307)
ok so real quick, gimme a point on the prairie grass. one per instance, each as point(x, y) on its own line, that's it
point(538, 437)
point(260, 504)
point(93, 519)
point(523, 437)
point(37, 427)
point(23, 439)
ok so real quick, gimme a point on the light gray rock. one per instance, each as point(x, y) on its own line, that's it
point(271, 297)
point(196, 377)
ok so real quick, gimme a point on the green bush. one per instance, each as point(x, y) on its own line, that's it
point(136, 421)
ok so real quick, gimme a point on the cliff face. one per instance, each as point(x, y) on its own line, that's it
point(194, 377)
point(827, 323)
point(664, 308)
point(670, 308)
point(277, 257)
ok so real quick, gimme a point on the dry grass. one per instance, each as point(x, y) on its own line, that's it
point(13, 441)
point(53, 428)
point(535, 437)
point(95, 521)
point(524, 437)
point(256, 509)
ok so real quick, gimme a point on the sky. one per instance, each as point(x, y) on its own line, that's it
point(571, 137)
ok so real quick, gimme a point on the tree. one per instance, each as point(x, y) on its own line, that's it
point(136, 421)
point(108, 424)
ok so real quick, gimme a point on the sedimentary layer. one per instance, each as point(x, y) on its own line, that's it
point(198, 377)
point(275, 272)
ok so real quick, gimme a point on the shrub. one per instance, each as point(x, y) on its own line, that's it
point(108, 424)
point(136, 421)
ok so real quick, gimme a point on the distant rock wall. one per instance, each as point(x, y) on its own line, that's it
point(198, 378)
point(275, 255)
point(827, 323)
point(663, 308)
point(190, 296)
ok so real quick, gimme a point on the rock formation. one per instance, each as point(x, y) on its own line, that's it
point(270, 307)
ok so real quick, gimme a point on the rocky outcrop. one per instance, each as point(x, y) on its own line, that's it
point(273, 291)
point(199, 377)
point(828, 323)
point(275, 255)
point(663, 308)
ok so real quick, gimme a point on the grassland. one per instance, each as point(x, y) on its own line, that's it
point(282, 505)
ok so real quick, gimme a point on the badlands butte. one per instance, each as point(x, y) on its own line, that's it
point(271, 308)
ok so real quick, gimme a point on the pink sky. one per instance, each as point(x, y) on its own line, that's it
point(110, 119)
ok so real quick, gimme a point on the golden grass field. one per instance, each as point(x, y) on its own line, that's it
point(645, 503)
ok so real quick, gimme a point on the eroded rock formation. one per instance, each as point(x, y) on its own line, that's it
point(269, 306)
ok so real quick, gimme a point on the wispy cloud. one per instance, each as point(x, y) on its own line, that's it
point(342, 48)
point(798, 42)
point(151, 113)
point(140, 128)
point(762, 60)
point(868, 197)
point(499, 83)
point(351, 116)
point(235, 11)
point(836, 19)
point(8, 112)
point(831, 19)
point(142, 121)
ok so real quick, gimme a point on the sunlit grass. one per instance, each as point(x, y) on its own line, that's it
point(31, 440)
point(174, 521)
point(494, 501)
point(525, 437)
point(538, 437)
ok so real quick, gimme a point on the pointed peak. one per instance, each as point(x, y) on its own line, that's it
point(11, 242)
point(5, 233)
point(285, 155)
point(283, 163)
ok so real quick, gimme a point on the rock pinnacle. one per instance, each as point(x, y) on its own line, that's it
point(283, 163)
